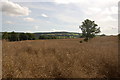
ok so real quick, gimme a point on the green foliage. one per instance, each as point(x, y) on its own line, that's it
point(81, 41)
point(42, 37)
point(30, 36)
point(89, 29)
point(59, 35)
point(47, 37)
point(102, 35)
point(119, 36)
point(86, 39)
point(23, 36)
point(13, 36)
point(26, 36)
point(0, 35)
point(5, 35)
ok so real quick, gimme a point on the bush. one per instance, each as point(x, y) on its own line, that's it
point(102, 35)
point(13, 36)
point(30, 36)
point(81, 41)
point(86, 39)
point(5, 35)
point(119, 36)
point(23, 36)
point(47, 37)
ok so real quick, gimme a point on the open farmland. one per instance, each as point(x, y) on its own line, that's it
point(61, 58)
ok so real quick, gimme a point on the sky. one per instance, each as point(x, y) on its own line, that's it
point(58, 15)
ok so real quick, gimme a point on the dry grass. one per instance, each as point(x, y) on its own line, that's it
point(63, 58)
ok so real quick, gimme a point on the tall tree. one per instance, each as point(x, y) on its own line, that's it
point(89, 29)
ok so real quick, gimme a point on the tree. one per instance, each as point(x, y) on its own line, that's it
point(42, 37)
point(89, 29)
point(5, 35)
point(30, 36)
point(102, 35)
point(119, 36)
point(23, 36)
point(47, 37)
point(13, 36)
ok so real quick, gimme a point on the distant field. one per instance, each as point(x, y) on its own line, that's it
point(61, 58)
point(59, 35)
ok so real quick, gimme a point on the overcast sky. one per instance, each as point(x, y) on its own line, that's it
point(58, 15)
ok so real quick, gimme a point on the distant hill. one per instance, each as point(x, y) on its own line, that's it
point(58, 34)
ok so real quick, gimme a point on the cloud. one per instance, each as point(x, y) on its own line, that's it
point(111, 10)
point(32, 0)
point(97, 2)
point(36, 27)
point(14, 9)
point(69, 14)
point(67, 1)
point(55, 30)
point(29, 19)
point(9, 22)
point(108, 18)
point(44, 15)
point(67, 19)
point(29, 31)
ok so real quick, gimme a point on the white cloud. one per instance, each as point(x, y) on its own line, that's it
point(108, 18)
point(14, 9)
point(69, 19)
point(110, 11)
point(29, 19)
point(44, 15)
point(73, 12)
point(36, 27)
point(61, 30)
point(97, 2)
point(68, 1)
point(9, 22)
point(55, 30)
point(100, 14)
point(29, 31)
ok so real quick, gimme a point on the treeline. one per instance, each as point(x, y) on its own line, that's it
point(14, 36)
point(119, 36)
point(55, 37)
point(47, 37)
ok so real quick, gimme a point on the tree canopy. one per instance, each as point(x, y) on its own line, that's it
point(89, 29)
point(14, 36)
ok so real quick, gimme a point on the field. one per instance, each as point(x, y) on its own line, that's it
point(61, 58)
point(59, 35)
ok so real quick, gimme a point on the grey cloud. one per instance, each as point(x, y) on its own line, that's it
point(14, 9)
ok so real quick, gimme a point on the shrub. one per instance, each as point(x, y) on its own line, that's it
point(13, 36)
point(81, 41)
point(119, 36)
point(23, 36)
point(5, 35)
point(102, 35)
point(86, 39)
point(47, 37)
point(30, 36)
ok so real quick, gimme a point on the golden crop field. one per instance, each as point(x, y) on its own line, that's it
point(61, 58)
